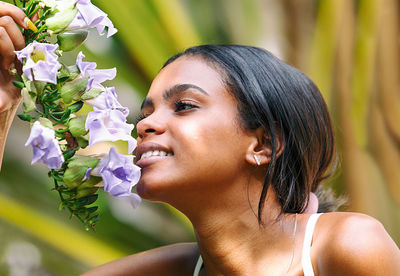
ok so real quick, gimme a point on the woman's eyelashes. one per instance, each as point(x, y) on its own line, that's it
point(181, 106)
point(139, 118)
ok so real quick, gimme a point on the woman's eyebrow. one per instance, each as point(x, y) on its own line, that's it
point(169, 93)
point(178, 88)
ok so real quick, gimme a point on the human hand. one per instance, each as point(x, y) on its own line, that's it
point(11, 39)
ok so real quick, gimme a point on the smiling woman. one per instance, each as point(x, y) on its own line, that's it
point(238, 140)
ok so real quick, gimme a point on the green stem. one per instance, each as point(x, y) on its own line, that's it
point(29, 8)
point(55, 119)
point(62, 130)
point(41, 37)
point(63, 200)
point(57, 112)
point(40, 113)
point(45, 15)
point(33, 12)
point(42, 28)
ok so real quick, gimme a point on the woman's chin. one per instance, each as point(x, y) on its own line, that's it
point(149, 189)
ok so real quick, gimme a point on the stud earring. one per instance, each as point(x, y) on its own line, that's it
point(257, 160)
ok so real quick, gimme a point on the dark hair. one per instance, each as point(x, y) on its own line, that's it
point(283, 101)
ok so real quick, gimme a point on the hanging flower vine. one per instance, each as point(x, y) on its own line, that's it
point(52, 94)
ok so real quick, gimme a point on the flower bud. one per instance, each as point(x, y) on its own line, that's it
point(70, 40)
point(81, 160)
point(28, 100)
point(35, 87)
point(88, 187)
point(77, 126)
point(46, 122)
point(61, 20)
point(73, 176)
point(72, 90)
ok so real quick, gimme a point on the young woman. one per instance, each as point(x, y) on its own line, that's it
point(238, 140)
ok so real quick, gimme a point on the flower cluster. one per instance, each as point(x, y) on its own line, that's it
point(53, 92)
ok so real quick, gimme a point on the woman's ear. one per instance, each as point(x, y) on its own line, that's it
point(259, 151)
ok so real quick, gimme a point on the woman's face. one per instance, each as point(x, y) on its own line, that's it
point(190, 141)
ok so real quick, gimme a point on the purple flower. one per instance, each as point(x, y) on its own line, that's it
point(96, 76)
point(119, 175)
point(41, 60)
point(107, 100)
point(90, 16)
point(45, 146)
point(109, 125)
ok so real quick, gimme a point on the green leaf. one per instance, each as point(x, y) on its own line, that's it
point(18, 84)
point(75, 107)
point(92, 93)
point(85, 192)
point(27, 118)
point(63, 74)
point(74, 71)
point(94, 219)
point(65, 115)
point(82, 141)
point(86, 200)
point(68, 154)
point(92, 209)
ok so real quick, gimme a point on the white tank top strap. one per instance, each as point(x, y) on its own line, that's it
point(306, 257)
point(198, 266)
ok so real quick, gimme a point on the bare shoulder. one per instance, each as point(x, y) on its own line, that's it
point(176, 259)
point(354, 244)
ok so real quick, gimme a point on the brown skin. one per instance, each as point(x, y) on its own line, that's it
point(213, 178)
point(11, 39)
point(216, 184)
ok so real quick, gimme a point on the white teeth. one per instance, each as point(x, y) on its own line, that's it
point(155, 153)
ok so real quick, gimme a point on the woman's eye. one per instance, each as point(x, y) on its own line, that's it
point(181, 106)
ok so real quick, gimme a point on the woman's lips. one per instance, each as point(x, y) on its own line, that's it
point(149, 153)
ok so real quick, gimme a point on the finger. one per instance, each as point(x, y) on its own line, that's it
point(16, 13)
point(13, 32)
point(6, 49)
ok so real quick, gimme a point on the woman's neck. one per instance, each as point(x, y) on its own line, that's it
point(230, 239)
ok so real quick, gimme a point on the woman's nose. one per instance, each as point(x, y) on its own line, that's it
point(152, 124)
